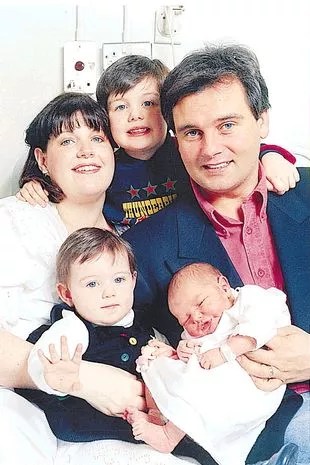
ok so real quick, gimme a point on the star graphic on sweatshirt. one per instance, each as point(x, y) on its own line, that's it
point(150, 189)
point(133, 192)
point(169, 185)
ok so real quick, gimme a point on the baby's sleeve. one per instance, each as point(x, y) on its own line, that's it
point(261, 313)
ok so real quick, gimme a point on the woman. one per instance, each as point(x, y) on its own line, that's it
point(70, 150)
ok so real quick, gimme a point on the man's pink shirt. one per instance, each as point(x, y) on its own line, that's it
point(249, 242)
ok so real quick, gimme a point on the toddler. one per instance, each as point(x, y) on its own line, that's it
point(96, 274)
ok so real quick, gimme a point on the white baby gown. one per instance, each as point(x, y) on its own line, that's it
point(221, 408)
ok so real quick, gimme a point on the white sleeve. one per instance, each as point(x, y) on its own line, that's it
point(261, 313)
point(76, 333)
point(29, 240)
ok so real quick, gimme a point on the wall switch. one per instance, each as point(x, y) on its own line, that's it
point(113, 51)
point(80, 66)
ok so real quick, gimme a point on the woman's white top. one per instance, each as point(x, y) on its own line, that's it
point(30, 238)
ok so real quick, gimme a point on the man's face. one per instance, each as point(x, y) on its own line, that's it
point(219, 139)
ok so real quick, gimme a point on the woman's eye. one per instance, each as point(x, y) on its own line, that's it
point(119, 279)
point(92, 284)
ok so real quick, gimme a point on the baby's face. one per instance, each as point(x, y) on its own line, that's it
point(199, 306)
point(102, 289)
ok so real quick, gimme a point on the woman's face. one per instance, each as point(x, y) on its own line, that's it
point(80, 162)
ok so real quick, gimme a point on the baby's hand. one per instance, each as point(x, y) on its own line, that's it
point(60, 372)
point(186, 348)
point(211, 359)
point(33, 193)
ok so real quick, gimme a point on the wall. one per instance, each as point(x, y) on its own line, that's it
point(31, 57)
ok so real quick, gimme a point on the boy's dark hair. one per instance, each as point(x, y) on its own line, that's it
point(57, 115)
point(87, 243)
point(125, 73)
point(215, 64)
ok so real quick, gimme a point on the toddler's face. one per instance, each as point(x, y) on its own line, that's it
point(198, 305)
point(137, 124)
point(101, 289)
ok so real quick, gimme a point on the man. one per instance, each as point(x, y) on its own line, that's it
point(216, 101)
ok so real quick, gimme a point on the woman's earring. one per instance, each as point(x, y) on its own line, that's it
point(45, 173)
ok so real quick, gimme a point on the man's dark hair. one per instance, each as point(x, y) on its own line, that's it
point(58, 115)
point(215, 64)
point(127, 72)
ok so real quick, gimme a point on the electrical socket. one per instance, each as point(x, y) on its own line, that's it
point(113, 51)
point(80, 66)
point(168, 24)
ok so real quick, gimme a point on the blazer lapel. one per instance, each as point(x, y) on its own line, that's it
point(197, 241)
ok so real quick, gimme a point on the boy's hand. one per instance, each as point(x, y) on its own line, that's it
point(211, 359)
point(281, 175)
point(186, 348)
point(60, 372)
point(33, 193)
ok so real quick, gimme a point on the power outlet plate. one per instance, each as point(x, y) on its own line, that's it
point(80, 66)
point(167, 27)
point(113, 51)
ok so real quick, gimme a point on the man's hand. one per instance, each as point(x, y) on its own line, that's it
point(33, 193)
point(60, 371)
point(286, 359)
point(109, 389)
point(186, 348)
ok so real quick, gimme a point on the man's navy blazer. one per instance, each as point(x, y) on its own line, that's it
point(182, 234)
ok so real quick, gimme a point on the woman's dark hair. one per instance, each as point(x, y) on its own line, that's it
point(127, 72)
point(58, 115)
point(213, 64)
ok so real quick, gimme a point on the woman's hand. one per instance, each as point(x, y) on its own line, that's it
point(286, 359)
point(281, 175)
point(109, 389)
point(33, 193)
